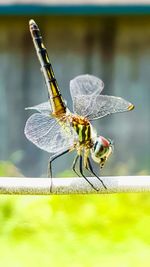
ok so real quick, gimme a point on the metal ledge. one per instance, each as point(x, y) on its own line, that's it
point(69, 186)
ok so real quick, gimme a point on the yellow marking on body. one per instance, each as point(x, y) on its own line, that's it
point(47, 58)
point(87, 132)
point(53, 90)
point(49, 74)
point(42, 45)
point(80, 133)
point(75, 127)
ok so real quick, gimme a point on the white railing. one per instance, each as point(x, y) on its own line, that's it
point(47, 186)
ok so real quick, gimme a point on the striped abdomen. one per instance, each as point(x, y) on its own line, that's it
point(82, 128)
point(56, 101)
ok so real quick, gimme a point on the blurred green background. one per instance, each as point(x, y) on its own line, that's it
point(80, 230)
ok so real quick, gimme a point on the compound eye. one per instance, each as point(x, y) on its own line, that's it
point(99, 149)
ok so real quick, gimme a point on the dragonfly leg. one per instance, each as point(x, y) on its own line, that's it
point(81, 171)
point(89, 167)
point(74, 164)
point(52, 158)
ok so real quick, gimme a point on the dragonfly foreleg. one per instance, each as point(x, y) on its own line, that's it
point(90, 168)
point(52, 158)
point(81, 171)
point(74, 164)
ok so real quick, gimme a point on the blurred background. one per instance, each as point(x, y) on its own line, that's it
point(113, 47)
point(111, 40)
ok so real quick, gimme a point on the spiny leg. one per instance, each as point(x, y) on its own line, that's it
point(81, 171)
point(74, 164)
point(50, 164)
point(89, 167)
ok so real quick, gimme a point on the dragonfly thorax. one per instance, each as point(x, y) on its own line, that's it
point(101, 150)
point(82, 127)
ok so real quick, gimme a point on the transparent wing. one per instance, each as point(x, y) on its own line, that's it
point(42, 108)
point(82, 105)
point(46, 133)
point(95, 107)
point(85, 85)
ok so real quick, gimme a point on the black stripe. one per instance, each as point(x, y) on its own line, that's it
point(77, 128)
point(83, 130)
point(88, 132)
point(95, 145)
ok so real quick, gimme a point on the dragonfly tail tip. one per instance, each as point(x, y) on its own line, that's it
point(31, 22)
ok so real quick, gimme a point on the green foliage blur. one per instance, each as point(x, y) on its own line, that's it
point(74, 231)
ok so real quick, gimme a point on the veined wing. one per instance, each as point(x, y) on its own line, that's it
point(85, 85)
point(95, 107)
point(46, 133)
point(42, 108)
point(81, 86)
point(85, 92)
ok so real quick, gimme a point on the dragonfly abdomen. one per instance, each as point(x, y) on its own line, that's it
point(82, 128)
point(57, 104)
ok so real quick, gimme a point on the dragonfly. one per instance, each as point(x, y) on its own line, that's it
point(57, 130)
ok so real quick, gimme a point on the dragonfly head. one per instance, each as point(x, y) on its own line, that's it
point(101, 150)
